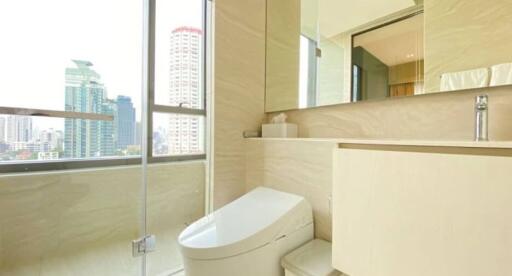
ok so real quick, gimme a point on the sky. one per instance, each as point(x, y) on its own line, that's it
point(40, 38)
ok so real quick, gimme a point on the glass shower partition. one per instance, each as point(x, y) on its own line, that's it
point(103, 135)
point(66, 218)
point(71, 189)
point(177, 174)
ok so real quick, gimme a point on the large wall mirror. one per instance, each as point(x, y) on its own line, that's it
point(326, 52)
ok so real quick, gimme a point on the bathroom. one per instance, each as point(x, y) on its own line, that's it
point(185, 134)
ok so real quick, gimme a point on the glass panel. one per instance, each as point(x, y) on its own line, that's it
point(27, 138)
point(69, 61)
point(307, 72)
point(24, 138)
point(178, 134)
point(70, 222)
point(176, 198)
point(179, 53)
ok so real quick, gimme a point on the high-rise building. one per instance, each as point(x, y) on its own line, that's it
point(185, 90)
point(52, 137)
point(138, 133)
point(86, 93)
point(2, 129)
point(107, 129)
point(124, 122)
point(18, 129)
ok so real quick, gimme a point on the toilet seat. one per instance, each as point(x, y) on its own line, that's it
point(252, 221)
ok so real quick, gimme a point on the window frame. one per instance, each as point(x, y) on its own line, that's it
point(149, 106)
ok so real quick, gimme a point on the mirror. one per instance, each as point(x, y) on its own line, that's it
point(388, 60)
point(326, 52)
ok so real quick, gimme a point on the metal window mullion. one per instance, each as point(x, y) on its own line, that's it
point(177, 158)
point(178, 110)
point(151, 76)
point(21, 111)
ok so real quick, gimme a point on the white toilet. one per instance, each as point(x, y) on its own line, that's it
point(248, 236)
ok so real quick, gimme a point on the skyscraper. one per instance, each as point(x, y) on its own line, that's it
point(185, 86)
point(2, 129)
point(124, 122)
point(19, 129)
point(86, 93)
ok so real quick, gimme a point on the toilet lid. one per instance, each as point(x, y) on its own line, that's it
point(255, 219)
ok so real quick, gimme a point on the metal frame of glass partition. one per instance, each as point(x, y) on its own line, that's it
point(353, 94)
point(148, 107)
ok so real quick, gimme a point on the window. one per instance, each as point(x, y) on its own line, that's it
point(178, 109)
point(57, 58)
point(70, 57)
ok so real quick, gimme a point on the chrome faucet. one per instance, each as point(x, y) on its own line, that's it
point(481, 118)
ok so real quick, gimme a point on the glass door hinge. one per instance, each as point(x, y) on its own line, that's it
point(318, 52)
point(143, 245)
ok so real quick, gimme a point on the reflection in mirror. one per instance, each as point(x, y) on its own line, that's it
point(325, 52)
point(307, 72)
point(387, 61)
point(309, 48)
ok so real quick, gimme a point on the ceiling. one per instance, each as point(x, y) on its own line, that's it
point(397, 43)
point(338, 16)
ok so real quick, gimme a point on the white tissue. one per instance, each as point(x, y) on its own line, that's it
point(279, 119)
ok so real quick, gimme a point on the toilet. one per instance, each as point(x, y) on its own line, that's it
point(247, 237)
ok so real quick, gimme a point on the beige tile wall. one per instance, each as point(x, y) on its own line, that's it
point(239, 90)
point(299, 167)
point(82, 222)
point(282, 55)
point(441, 116)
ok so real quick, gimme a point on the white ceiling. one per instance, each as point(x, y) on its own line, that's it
point(397, 43)
point(338, 16)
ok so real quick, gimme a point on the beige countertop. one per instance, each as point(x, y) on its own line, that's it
point(398, 142)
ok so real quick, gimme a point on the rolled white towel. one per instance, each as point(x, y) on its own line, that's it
point(501, 74)
point(465, 79)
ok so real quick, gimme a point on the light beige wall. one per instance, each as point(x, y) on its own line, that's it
point(282, 54)
point(239, 90)
point(441, 116)
point(461, 35)
point(299, 167)
point(81, 222)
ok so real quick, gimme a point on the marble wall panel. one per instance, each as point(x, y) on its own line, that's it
point(299, 167)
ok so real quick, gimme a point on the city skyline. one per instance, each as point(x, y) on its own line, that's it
point(86, 92)
point(61, 37)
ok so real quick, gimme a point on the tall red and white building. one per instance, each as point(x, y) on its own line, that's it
point(185, 89)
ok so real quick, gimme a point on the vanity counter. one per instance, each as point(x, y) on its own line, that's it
point(397, 142)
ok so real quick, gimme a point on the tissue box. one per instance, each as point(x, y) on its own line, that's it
point(281, 130)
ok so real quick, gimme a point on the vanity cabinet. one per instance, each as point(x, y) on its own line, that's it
point(422, 211)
